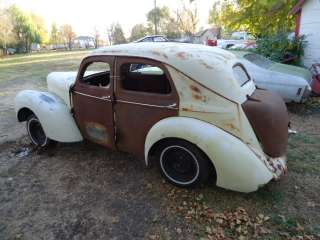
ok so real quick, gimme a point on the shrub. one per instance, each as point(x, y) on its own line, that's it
point(281, 48)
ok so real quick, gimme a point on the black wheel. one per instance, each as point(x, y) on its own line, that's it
point(36, 133)
point(183, 164)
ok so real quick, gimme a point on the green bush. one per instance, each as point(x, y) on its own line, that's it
point(280, 48)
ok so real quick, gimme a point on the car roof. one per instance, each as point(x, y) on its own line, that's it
point(210, 66)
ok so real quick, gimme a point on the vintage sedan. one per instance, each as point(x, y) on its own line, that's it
point(192, 110)
point(290, 82)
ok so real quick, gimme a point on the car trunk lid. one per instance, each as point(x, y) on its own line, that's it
point(268, 116)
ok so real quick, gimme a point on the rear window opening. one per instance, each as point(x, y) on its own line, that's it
point(142, 77)
point(240, 74)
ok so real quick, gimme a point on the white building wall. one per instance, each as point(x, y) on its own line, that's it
point(310, 27)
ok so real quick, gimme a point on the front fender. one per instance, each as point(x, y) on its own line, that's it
point(54, 115)
point(237, 167)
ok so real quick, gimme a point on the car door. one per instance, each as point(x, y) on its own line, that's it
point(145, 94)
point(92, 100)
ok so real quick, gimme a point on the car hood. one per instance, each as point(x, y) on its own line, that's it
point(292, 70)
point(59, 83)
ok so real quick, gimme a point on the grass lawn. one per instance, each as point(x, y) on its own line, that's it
point(35, 67)
point(287, 209)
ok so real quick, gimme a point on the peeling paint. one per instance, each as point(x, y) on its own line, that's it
point(159, 54)
point(200, 97)
point(182, 55)
point(195, 88)
point(232, 127)
point(97, 132)
point(46, 98)
point(206, 65)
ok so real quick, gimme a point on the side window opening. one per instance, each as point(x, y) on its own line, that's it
point(142, 77)
point(240, 74)
point(97, 74)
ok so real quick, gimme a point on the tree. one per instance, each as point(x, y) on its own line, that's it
point(261, 18)
point(138, 31)
point(96, 37)
point(166, 24)
point(25, 29)
point(6, 29)
point(54, 35)
point(172, 29)
point(67, 35)
point(116, 34)
point(39, 23)
point(157, 17)
point(188, 18)
point(214, 15)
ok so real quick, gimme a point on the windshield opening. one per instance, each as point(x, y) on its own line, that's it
point(258, 60)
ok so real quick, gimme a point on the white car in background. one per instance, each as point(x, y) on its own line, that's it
point(290, 82)
point(237, 39)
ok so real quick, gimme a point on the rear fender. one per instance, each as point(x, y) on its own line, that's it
point(53, 113)
point(236, 165)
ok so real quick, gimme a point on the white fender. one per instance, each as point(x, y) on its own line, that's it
point(53, 113)
point(237, 167)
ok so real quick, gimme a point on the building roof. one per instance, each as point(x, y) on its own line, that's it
point(297, 7)
point(210, 66)
point(213, 30)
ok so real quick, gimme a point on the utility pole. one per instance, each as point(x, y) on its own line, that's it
point(155, 18)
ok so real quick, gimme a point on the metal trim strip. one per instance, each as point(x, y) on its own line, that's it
point(172, 106)
point(107, 98)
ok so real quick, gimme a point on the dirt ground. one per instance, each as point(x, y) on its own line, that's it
point(83, 191)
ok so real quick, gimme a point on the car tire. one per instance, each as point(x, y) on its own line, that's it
point(36, 133)
point(183, 164)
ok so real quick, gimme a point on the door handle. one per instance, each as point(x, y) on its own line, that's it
point(106, 98)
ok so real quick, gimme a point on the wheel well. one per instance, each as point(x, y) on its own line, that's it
point(23, 114)
point(156, 146)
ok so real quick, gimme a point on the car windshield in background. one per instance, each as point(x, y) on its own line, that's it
point(241, 75)
point(258, 60)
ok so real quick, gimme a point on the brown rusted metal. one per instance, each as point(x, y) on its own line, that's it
point(93, 105)
point(267, 113)
point(136, 112)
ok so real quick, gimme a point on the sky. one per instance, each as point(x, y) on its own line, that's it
point(86, 15)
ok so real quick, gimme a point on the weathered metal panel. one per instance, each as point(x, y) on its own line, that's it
point(53, 113)
point(237, 167)
point(60, 83)
point(268, 116)
point(136, 112)
point(93, 106)
point(198, 102)
point(210, 66)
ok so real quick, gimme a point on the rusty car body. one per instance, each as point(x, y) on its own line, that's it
point(191, 109)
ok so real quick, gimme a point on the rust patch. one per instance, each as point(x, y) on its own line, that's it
point(182, 55)
point(195, 89)
point(206, 65)
point(269, 119)
point(187, 109)
point(231, 127)
point(200, 97)
point(159, 54)
point(97, 132)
